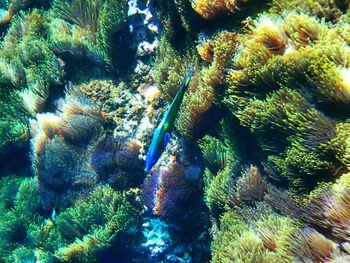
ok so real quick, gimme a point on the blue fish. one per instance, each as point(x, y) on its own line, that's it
point(162, 133)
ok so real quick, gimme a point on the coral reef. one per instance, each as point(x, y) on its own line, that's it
point(75, 234)
point(257, 169)
point(116, 162)
point(179, 17)
point(279, 90)
point(29, 70)
point(72, 153)
point(264, 240)
point(168, 191)
point(13, 121)
point(27, 61)
point(212, 9)
point(90, 30)
point(9, 8)
point(19, 206)
point(206, 84)
point(92, 224)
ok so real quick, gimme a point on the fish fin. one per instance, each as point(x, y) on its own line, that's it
point(166, 139)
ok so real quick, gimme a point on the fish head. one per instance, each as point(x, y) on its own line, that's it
point(151, 159)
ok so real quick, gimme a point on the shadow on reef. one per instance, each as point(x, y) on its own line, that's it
point(16, 161)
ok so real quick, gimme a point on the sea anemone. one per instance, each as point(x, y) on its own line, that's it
point(167, 192)
point(251, 186)
point(94, 223)
point(311, 245)
point(116, 162)
point(216, 154)
point(263, 240)
point(212, 9)
point(99, 21)
point(61, 149)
